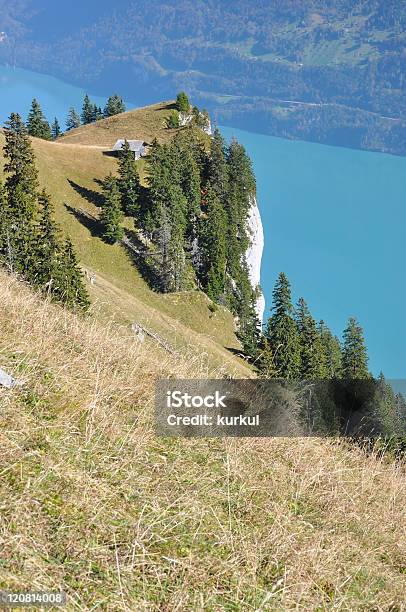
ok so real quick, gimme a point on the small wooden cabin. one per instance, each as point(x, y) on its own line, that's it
point(136, 146)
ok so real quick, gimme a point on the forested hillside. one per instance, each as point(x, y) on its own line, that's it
point(72, 175)
point(319, 70)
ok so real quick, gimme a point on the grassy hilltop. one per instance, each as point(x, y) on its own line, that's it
point(92, 503)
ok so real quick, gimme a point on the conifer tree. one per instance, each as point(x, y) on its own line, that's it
point(190, 182)
point(182, 102)
point(56, 129)
point(214, 247)
point(88, 111)
point(354, 352)
point(37, 125)
point(217, 167)
point(266, 360)
point(4, 228)
point(384, 417)
point(163, 236)
point(73, 119)
point(332, 351)
point(171, 260)
point(97, 113)
point(21, 188)
point(22, 180)
point(69, 281)
point(114, 106)
point(129, 181)
point(176, 206)
point(282, 332)
point(173, 120)
point(161, 174)
point(313, 364)
point(55, 268)
point(45, 260)
point(112, 215)
point(248, 326)
point(240, 195)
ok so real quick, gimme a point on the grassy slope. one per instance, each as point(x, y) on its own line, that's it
point(91, 502)
point(68, 171)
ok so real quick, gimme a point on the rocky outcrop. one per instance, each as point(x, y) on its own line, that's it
point(254, 254)
point(202, 120)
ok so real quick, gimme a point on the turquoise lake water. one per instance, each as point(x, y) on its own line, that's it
point(334, 221)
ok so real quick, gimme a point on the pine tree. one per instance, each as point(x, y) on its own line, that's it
point(4, 228)
point(56, 129)
point(282, 332)
point(332, 351)
point(37, 125)
point(46, 245)
point(129, 181)
point(73, 120)
point(88, 111)
point(162, 238)
point(218, 168)
point(182, 102)
point(240, 194)
point(69, 282)
point(97, 113)
point(214, 247)
point(112, 215)
point(190, 182)
point(173, 121)
point(21, 189)
point(354, 352)
point(384, 410)
point(114, 106)
point(161, 175)
point(266, 360)
point(313, 364)
point(22, 180)
point(248, 328)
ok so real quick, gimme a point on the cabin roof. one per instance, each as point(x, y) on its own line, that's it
point(135, 145)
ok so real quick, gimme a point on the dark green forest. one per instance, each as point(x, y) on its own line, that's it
point(318, 70)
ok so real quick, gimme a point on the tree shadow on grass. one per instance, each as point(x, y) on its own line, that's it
point(171, 106)
point(88, 220)
point(92, 196)
point(237, 352)
point(141, 258)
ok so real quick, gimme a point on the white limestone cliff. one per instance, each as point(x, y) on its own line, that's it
point(254, 253)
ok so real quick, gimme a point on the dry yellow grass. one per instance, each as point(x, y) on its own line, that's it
point(93, 503)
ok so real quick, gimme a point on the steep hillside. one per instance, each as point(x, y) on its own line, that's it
point(69, 173)
point(94, 504)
